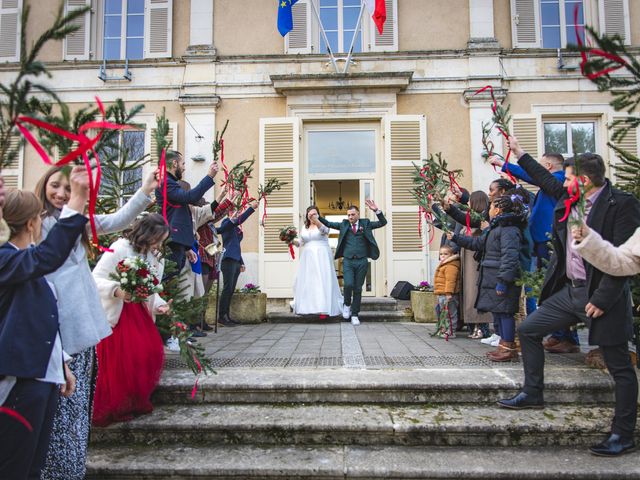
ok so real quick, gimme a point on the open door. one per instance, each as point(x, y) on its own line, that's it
point(366, 193)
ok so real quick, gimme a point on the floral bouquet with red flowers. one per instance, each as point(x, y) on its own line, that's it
point(288, 235)
point(136, 277)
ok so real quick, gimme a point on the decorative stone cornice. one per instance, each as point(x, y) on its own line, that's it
point(293, 84)
point(193, 100)
point(470, 95)
point(200, 54)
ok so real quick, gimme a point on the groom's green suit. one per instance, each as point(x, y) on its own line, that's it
point(355, 248)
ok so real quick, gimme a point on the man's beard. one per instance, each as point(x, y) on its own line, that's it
point(179, 174)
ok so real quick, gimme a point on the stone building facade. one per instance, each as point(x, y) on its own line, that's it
point(335, 138)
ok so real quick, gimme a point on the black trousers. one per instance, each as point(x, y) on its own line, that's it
point(178, 254)
point(23, 453)
point(230, 272)
point(559, 311)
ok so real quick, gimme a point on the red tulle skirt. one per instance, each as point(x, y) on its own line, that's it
point(129, 367)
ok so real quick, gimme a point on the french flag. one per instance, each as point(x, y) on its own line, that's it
point(378, 11)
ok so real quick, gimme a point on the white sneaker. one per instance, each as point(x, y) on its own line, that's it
point(496, 342)
point(173, 344)
point(355, 320)
point(346, 311)
point(292, 305)
point(491, 339)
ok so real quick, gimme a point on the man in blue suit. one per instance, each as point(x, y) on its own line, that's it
point(178, 201)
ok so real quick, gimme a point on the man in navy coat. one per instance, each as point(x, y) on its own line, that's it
point(178, 201)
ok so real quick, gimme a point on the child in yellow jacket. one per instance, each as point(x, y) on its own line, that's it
point(446, 286)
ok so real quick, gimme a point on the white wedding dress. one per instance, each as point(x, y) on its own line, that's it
point(316, 289)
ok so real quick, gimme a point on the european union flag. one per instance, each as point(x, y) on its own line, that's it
point(285, 17)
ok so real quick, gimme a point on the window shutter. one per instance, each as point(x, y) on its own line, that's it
point(614, 19)
point(525, 128)
point(153, 146)
point(158, 23)
point(525, 23)
point(279, 157)
point(12, 173)
point(629, 144)
point(76, 45)
point(388, 41)
point(406, 251)
point(298, 40)
point(10, 11)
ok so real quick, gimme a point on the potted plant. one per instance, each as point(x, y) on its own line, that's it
point(249, 305)
point(423, 303)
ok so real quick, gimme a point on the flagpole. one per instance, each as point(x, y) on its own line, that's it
point(353, 40)
point(324, 35)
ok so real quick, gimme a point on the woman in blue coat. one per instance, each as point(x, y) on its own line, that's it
point(31, 354)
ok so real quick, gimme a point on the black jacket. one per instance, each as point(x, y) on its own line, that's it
point(499, 264)
point(615, 215)
point(367, 226)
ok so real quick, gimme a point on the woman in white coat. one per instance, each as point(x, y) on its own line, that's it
point(619, 261)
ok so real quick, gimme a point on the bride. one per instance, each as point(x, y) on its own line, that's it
point(316, 289)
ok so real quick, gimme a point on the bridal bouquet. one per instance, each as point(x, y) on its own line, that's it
point(136, 277)
point(288, 235)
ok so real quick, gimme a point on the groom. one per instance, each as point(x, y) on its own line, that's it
point(356, 244)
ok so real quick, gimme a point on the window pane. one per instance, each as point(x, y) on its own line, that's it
point(352, 3)
point(113, 6)
point(571, 35)
point(135, 26)
point(583, 137)
point(328, 3)
point(569, 11)
point(357, 46)
point(329, 17)
point(135, 6)
point(350, 17)
point(551, 37)
point(333, 41)
point(112, 49)
point(133, 143)
point(112, 24)
point(555, 138)
point(342, 151)
point(135, 47)
point(131, 180)
point(550, 14)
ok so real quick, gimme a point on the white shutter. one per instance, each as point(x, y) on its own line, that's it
point(151, 131)
point(525, 129)
point(298, 40)
point(614, 18)
point(13, 172)
point(406, 252)
point(525, 23)
point(76, 45)
point(158, 23)
point(630, 144)
point(10, 12)
point(279, 157)
point(388, 41)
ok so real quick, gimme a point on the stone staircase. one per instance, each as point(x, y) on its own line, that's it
point(373, 309)
point(327, 423)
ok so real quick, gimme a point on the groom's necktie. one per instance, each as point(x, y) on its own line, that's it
point(353, 228)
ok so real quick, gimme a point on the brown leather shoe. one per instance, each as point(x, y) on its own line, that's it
point(506, 352)
point(594, 359)
point(564, 347)
point(550, 342)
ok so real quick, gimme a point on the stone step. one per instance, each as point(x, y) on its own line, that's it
point(355, 385)
point(364, 316)
point(354, 462)
point(366, 304)
point(419, 425)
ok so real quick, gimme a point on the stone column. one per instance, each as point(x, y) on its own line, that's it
point(481, 31)
point(199, 133)
point(482, 174)
point(201, 29)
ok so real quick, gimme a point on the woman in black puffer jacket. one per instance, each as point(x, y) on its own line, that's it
point(500, 267)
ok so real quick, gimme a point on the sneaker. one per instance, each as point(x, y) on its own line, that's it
point(491, 339)
point(173, 344)
point(496, 342)
point(292, 305)
point(355, 320)
point(227, 322)
point(346, 311)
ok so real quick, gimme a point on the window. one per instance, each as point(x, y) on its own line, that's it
point(10, 12)
point(346, 151)
point(123, 166)
point(569, 138)
point(557, 18)
point(339, 18)
point(123, 29)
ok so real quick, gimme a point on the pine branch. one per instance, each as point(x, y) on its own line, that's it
point(218, 142)
point(162, 134)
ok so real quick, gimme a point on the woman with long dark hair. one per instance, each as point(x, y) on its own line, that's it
point(130, 360)
point(316, 289)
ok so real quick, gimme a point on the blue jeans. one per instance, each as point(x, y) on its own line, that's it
point(507, 324)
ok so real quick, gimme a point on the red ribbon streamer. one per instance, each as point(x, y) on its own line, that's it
point(468, 222)
point(574, 195)
point(12, 413)
point(264, 215)
point(453, 182)
point(194, 390)
point(292, 252)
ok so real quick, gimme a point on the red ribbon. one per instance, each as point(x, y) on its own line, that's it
point(194, 390)
point(594, 51)
point(574, 195)
point(468, 222)
point(292, 252)
point(85, 144)
point(453, 182)
point(264, 215)
point(12, 413)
